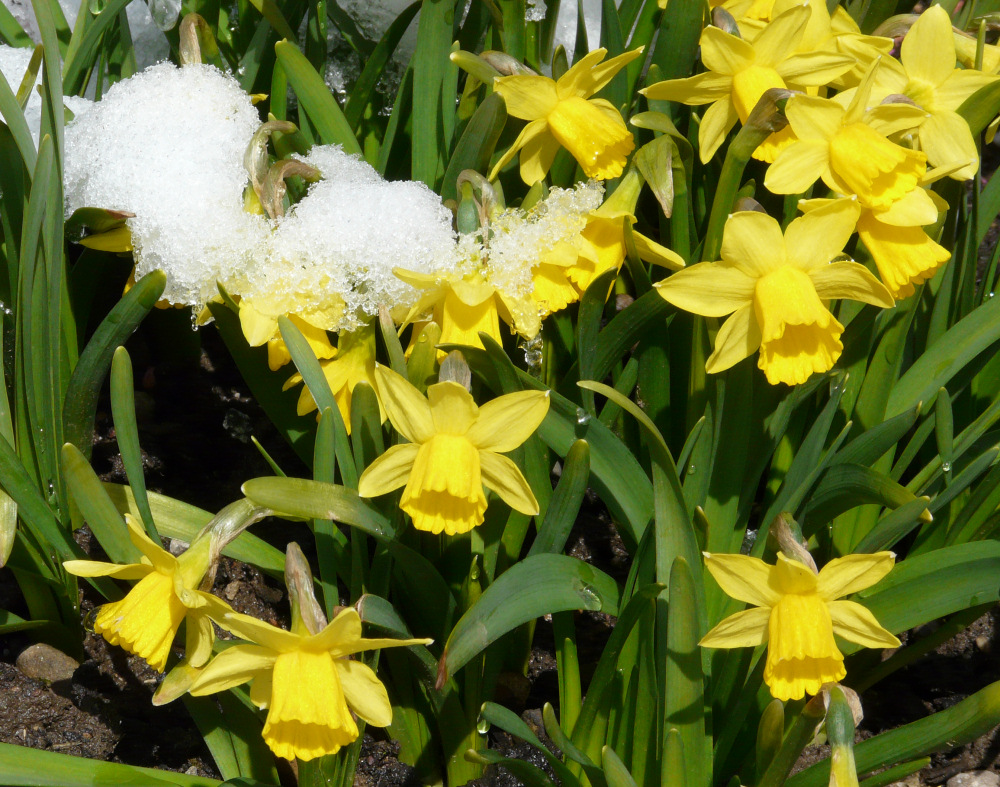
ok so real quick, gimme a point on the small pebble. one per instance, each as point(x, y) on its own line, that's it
point(44, 662)
point(975, 779)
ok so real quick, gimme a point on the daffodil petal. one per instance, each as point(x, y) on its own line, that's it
point(851, 573)
point(537, 156)
point(257, 328)
point(253, 630)
point(531, 130)
point(154, 552)
point(915, 209)
point(389, 471)
point(528, 97)
point(716, 123)
point(746, 629)
point(405, 405)
point(781, 36)
point(928, 49)
point(507, 421)
point(752, 242)
point(814, 69)
point(453, 409)
point(711, 289)
point(651, 251)
point(233, 667)
point(94, 568)
point(744, 578)
point(857, 624)
point(725, 53)
point(850, 280)
point(699, 89)
point(797, 167)
point(821, 234)
point(814, 118)
point(961, 85)
point(198, 639)
point(738, 338)
point(503, 476)
point(945, 137)
point(364, 692)
point(584, 81)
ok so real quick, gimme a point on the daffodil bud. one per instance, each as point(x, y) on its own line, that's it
point(506, 64)
point(195, 37)
point(840, 734)
point(724, 20)
point(455, 369)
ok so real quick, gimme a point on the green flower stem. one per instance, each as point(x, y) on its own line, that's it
point(765, 119)
point(798, 737)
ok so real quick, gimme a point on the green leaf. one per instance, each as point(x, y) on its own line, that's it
point(176, 519)
point(127, 434)
point(564, 507)
point(846, 486)
point(80, 55)
point(961, 345)
point(615, 771)
point(929, 586)
point(979, 109)
point(536, 586)
point(24, 767)
point(528, 774)
point(97, 508)
point(433, 104)
point(300, 498)
point(893, 527)
point(478, 141)
point(316, 99)
point(511, 723)
point(84, 388)
point(11, 32)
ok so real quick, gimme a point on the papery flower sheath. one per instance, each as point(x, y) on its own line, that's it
point(561, 113)
point(146, 621)
point(776, 286)
point(797, 613)
point(454, 449)
point(308, 682)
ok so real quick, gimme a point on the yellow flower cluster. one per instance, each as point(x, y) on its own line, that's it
point(306, 679)
point(870, 145)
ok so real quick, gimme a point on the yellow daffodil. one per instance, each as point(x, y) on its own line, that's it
point(903, 252)
point(561, 113)
point(739, 72)
point(454, 449)
point(776, 286)
point(798, 613)
point(601, 246)
point(841, 147)
point(353, 363)
point(259, 321)
point(146, 621)
point(308, 682)
point(927, 76)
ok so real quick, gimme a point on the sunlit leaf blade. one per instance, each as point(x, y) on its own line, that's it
point(304, 499)
point(80, 407)
point(98, 510)
point(536, 586)
point(316, 99)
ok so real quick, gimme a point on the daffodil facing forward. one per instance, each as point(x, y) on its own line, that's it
point(305, 677)
point(740, 72)
point(146, 621)
point(797, 613)
point(454, 449)
point(561, 113)
point(776, 286)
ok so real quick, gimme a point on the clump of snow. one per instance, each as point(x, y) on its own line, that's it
point(345, 237)
point(168, 145)
point(519, 239)
point(14, 63)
